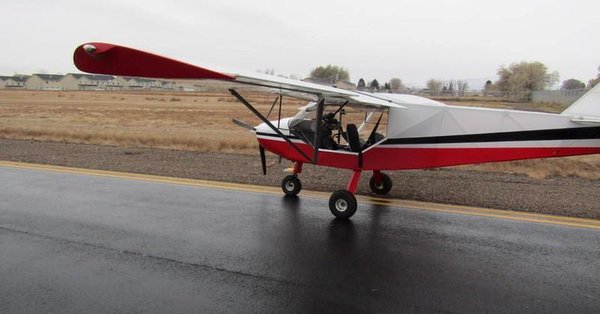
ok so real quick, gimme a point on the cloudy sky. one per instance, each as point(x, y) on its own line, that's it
point(412, 40)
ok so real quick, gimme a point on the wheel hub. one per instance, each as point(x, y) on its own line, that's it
point(341, 205)
point(290, 186)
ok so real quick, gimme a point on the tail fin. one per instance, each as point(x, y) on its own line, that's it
point(588, 106)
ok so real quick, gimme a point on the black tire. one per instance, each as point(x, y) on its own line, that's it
point(342, 204)
point(383, 187)
point(291, 185)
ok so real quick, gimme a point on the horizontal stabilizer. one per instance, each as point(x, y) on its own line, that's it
point(103, 58)
point(587, 120)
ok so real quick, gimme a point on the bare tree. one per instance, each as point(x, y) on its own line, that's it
point(572, 84)
point(461, 87)
point(396, 85)
point(434, 86)
point(525, 77)
point(488, 87)
point(330, 72)
point(593, 82)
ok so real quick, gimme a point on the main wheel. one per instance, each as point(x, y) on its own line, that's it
point(383, 187)
point(342, 204)
point(291, 185)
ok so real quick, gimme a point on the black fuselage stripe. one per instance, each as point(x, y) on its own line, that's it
point(516, 136)
point(291, 137)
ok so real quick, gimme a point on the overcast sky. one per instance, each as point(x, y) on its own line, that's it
point(412, 40)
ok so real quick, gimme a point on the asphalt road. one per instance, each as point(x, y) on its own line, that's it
point(80, 243)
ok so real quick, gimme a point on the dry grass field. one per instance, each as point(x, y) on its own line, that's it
point(183, 121)
point(197, 122)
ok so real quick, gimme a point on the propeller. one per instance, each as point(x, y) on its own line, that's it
point(243, 124)
point(263, 159)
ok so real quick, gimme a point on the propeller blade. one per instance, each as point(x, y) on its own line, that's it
point(243, 124)
point(263, 159)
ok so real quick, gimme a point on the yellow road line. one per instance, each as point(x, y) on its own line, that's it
point(453, 209)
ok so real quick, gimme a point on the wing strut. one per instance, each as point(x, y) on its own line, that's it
point(319, 131)
point(261, 117)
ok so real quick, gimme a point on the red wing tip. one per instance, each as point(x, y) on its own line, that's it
point(94, 57)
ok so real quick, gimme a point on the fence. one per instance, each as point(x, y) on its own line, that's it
point(563, 97)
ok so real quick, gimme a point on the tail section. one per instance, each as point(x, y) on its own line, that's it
point(587, 107)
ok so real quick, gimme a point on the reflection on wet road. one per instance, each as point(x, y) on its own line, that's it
point(81, 243)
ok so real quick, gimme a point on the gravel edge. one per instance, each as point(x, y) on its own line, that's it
point(566, 196)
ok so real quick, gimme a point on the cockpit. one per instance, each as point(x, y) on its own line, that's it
point(341, 127)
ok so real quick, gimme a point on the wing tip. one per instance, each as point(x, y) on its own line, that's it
point(105, 58)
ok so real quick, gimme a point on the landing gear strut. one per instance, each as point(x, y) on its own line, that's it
point(342, 203)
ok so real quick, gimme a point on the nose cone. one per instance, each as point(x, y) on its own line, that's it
point(265, 128)
point(281, 125)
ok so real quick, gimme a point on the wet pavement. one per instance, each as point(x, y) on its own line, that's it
point(81, 243)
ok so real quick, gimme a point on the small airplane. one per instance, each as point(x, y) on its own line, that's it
point(396, 131)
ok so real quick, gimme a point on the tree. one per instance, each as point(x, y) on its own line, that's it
point(396, 85)
point(525, 77)
point(593, 82)
point(488, 87)
point(434, 87)
point(330, 72)
point(572, 84)
point(387, 87)
point(461, 87)
point(361, 84)
point(374, 85)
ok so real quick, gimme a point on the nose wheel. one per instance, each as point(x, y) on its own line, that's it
point(291, 185)
point(342, 204)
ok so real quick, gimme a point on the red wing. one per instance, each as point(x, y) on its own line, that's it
point(104, 58)
point(111, 59)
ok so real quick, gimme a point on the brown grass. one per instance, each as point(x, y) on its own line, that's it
point(577, 166)
point(198, 122)
point(184, 121)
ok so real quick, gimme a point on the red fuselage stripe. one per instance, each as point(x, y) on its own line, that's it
point(399, 158)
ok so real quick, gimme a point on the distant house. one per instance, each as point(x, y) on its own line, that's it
point(81, 81)
point(137, 83)
point(40, 81)
point(15, 82)
point(76, 81)
point(345, 85)
point(107, 82)
point(187, 86)
point(168, 85)
point(329, 82)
